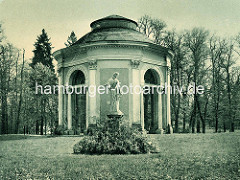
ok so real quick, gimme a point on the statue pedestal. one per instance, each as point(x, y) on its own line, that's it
point(115, 119)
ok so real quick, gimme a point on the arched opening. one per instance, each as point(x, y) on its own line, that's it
point(150, 100)
point(78, 102)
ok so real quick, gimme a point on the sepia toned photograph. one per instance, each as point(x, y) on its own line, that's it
point(119, 89)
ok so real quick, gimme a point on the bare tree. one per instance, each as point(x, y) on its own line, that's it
point(216, 51)
point(226, 63)
point(195, 40)
point(6, 60)
point(175, 43)
point(152, 28)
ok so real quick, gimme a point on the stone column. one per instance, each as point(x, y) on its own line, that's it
point(160, 117)
point(142, 109)
point(65, 96)
point(60, 98)
point(91, 116)
point(136, 120)
point(69, 110)
point(170, 130)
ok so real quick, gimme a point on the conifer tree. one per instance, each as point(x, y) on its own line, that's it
point(42, 51)
point(71, 39)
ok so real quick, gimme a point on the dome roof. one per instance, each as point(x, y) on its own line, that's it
point(113, 28)
point(114, 21)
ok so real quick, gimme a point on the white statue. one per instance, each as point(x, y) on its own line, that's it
point(115, 93)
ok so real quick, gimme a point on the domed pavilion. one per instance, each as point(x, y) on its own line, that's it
point(114, 45)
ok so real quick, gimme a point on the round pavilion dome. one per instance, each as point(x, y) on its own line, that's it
point(113, 28)
point(114, 21)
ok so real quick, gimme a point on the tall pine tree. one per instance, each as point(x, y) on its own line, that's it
point(42, 51)
point(71, 39)
point(42, 60)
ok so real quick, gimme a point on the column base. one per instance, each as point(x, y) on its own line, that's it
point(170, 129)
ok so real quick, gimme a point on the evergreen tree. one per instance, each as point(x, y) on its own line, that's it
point(42, 52)
point(71, 39)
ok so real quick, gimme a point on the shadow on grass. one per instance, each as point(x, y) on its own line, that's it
point(9, 137)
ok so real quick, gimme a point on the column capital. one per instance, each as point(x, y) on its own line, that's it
point(135, 64)
point(92, 65)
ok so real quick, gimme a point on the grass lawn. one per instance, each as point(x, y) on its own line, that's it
point(181, 156)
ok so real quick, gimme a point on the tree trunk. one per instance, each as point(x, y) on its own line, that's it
point(177, 114)
point(205, 116)
point(229, 101)
point(4, 114)
point(41, 125)
point(184, 119)
point(45, 118)
point(37, 126)
point(193, 118)
point(198, 125)
point(4, 91)
point(20, 97)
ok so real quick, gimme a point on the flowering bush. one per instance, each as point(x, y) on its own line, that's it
point(108, 141)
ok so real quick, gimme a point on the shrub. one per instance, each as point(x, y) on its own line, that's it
point(59, 130)
point(109, 141)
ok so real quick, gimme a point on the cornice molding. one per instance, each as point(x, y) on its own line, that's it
point(132, 59)
point(72, 50)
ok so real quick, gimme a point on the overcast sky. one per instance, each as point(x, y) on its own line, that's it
point(23, 20)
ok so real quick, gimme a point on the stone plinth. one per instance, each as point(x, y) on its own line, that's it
point(115, 119)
